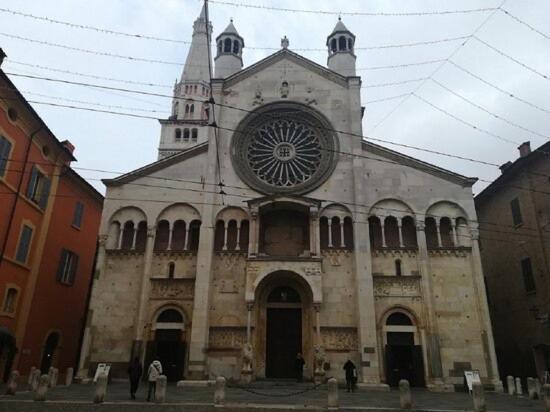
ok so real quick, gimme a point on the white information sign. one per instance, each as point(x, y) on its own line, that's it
point(102, 368)
point(471, 378)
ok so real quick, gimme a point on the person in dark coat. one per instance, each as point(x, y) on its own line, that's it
point(299, 367)
point(351, 375)
point(134, 372)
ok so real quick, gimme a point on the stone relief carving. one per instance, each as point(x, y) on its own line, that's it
point(393, 286)
point(172, 289)
point(227, 338)
point(258, 99)
point(341, 339)
point(312, 271)
point(284, 90)
point(319, 359)
point(248, 357)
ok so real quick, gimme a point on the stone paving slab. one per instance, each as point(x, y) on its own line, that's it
point(78, 398)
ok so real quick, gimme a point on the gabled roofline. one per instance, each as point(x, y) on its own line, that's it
point(419, 164)
point(156, 166)
point(279, 55)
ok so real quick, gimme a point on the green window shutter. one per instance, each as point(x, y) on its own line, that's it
point(61, 266)
point(33, 179)
point(5, 148)
point(45, 193)
point(24, 244)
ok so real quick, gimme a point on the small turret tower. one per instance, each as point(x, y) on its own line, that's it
point(341, 57)
point(229, 45)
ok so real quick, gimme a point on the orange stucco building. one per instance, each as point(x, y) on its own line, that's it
point(49, 219)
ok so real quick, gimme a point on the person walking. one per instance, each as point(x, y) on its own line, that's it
point(155, 370)
point(134, 372)
point(299, 367)
point(351, 375)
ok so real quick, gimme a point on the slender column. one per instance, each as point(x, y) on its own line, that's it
point(255, 233)
point(383, 233)
point(342, 241)
point(187, 237)
point(170, 232)
point(314, 231)
point(134, 238)
point(455, 237)
point(120, 236)
point(400, 227)
point(249, 307)
point(329, 232)
point(318, 323)
point(225, 227)
point(238, 245)
point(438, 230)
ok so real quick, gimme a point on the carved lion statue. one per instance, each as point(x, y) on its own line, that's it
point(247, 356)
point(319, 359)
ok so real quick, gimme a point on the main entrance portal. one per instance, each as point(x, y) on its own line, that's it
point(283, 332)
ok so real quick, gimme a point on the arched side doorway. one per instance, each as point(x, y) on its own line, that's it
point(168, 345)
point(284, 314)
point(403, 352)
point(49, 351)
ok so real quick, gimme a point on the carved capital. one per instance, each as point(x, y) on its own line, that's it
point(474, 232)
point(102, 240)
point(317, 307)
point(420, 225)
point(151, 231)
point(249, 306)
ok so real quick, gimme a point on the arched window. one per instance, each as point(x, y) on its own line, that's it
point(398, 268)
point(171, 270)
point(194, 134)
point(243, 237)
point(186, 109)
point(194, 234)
point(185, 135)
point(127, 236)
point(141, 236)
point(431, 233)
point(342, 43)
point(194, 87)
point(178, 134)
point(9, 301)
point(186, 89)
point(219, 235)
point(170, 316)
point(350, 44)
point(235, 47)
point(323, 232)
point(409, 232)
point(348, 233)
point(162, 235)
point(192, 107)
point(178, 235)
point(232, 235)
point(336, 232)
point(176, 107)
point(391, 232)
point(445, 228)
point(375, 232)
point(399, 319)
point(333, 45)
point(227, 45)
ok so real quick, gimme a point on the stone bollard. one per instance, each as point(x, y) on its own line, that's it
point(519, 390)
point(35, 378)
point(546, 396)
point(42, 389)
point(332, 401)
point(29, 380)
point(479, 397)
point(69, 376)
point(405, 394)
point(539, 388)
point(511, 385)
point(50, 376)
point(219, 393)
point(532, 388)
point(54, 378)
point(12, 383)
point(100, 388)
point(160, 390)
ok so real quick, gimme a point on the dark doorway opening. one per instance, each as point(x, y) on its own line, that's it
point(283, 341)
point(49, 351)
point(170, 351)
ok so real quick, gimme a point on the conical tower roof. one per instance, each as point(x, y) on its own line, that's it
point(340, 28)
point(197, 65)
point(230, 29)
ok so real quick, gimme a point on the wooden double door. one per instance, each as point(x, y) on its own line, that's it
point(404, 360)
point(283, 341)
point(169, 349)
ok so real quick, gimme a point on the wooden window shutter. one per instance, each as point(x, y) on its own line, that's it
point(61, 266)
point(45, 193)
point(33, 179)
point(74, 266)
point(5, 148)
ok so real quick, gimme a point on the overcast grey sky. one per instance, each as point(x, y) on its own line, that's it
point(118, 143)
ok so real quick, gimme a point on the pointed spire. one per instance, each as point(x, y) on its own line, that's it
point(231, 30)
point(198, 57)
point(340, 27)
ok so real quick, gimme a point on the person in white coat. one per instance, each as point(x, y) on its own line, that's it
point(154, 371)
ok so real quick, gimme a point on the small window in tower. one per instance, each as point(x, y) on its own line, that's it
point(203, 91)
point(333, 45)
point(178, 134)
point(171, 270)
point(227, 46)
point(194, 134)
point(350, 44)
point(192, 108)
point(220, 45)
point(195, 89)
point(236, 47)
point(342, 43)
point(398, 270)
point(185, 135)
point(186, 109)
point(186, 89)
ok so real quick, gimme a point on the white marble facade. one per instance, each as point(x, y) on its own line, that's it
point(376, 252)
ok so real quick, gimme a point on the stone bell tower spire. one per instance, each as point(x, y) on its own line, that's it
point(340, 43)
point(229, 45)
point(187, 125)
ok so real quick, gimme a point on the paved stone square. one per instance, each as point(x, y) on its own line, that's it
point(282, 396)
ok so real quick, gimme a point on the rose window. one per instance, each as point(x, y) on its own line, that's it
point(280, 151)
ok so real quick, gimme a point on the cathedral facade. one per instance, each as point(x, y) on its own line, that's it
point(269, 227)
